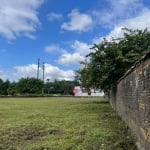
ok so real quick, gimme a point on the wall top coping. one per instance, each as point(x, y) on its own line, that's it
point(137, 63)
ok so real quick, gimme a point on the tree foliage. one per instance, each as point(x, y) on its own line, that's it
point(4, 86)
point(60, 87)
point(34, 86)
point(30, 86)
point(12, 89)
point(110, 59)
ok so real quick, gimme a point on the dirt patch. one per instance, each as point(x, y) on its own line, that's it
point(54, 132)
point(2, 115)
point(30, 133)
point(10, 139)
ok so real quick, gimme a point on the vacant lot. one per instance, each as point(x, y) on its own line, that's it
point(61, 124)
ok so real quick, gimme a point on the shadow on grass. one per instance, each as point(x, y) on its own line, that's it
point(100, 102)
point(96, 102)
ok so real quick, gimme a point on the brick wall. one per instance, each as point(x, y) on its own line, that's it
point(131, 99)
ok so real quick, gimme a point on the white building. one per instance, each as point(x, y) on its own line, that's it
point(78, 91)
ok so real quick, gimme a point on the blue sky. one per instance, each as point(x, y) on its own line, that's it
point(60, 32)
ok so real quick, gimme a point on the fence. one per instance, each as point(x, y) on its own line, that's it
point(131, 98)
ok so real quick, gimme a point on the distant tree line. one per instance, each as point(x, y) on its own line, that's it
point(33, 86)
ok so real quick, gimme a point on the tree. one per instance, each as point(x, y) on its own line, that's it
point(30, 86)
point(1, 86)
point(109, 60)
point(12, 89)
point(4, 85)
point(60, 87)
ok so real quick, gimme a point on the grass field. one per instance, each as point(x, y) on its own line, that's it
point(61, 124)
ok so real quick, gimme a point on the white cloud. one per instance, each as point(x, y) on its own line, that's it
point(26, 71)
point(132, 14)
point(139, 22)
point(53, 48)
point(80, 47)
point(78, 21)
point(117, 11)
point(69, 59)
point(54, 16)
point(80, 50)
point(51, 72)
point(19, 18)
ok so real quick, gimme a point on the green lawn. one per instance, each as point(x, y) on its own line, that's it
point(61, 124)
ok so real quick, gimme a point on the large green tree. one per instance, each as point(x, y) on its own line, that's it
point(12, 89)
point(110, 59)
point(29, 86)
point(4, 85)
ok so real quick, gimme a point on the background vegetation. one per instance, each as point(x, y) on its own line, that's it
point(36, 87)
point(110, 59)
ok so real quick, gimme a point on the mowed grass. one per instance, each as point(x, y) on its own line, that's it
point(61, 124)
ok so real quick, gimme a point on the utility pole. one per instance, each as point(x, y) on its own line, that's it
point(43, 71)
point(38, 68)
